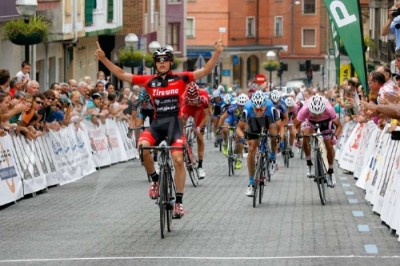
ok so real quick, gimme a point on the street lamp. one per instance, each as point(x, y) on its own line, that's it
point(131, 41)
point(153, 46)
point(271, 55)
point(26, 8)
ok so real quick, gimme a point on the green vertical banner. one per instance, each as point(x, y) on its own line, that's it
point(346, 17)
point(336, 43)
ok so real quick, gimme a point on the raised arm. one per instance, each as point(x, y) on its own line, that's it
point(117, 71)
point(208, 67)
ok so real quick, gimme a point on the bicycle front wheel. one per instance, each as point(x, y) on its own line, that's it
point(258, 176)
point(320, 176)
point(162, 193)
point(170, 199)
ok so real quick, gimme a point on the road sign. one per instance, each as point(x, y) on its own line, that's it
point(200, 62)
point(260, 78)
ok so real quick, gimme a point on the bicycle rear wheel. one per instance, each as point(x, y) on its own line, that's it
point(320, 176)
point(162, 193)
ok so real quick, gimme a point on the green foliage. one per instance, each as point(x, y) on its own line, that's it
point(130, 58)
point(271, 65)
point(21, 33)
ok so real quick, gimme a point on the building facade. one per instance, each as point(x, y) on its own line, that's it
point(295, 30)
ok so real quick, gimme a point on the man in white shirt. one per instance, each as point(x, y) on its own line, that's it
point(23, 74)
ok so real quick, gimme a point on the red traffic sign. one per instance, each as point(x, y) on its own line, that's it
point(260, 79)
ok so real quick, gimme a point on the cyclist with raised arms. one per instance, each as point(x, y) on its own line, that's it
point(258, 113)
point(317, 110)
point(166, 90)
point(230, 118)
point(196, 106)
point(280, 105)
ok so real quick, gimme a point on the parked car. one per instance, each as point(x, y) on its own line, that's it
point(292, 84)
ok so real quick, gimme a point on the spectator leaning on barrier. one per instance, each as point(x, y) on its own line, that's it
point(93, 108)
point(4, 79)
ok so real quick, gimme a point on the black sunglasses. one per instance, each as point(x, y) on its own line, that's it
point(162, 59)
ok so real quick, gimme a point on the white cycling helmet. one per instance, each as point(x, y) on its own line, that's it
point(275, 96)
point(289, 102)
point(316, 105)
point(242, 99)
point(216, 94)
point(258, 99)
point(227, 99)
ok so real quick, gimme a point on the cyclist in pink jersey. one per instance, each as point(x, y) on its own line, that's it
point(316, 113)
point(166, 90)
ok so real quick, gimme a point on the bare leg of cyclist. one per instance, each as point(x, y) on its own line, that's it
point(307, 149)
point(331, 156)
point(148, 164)
point(180, 179)
point(251, 164)
point(239, 148)
point(273, 130)
point(200, 152)
point(225, 132)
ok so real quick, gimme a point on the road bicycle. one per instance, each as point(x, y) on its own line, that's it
point(320, 171)
point(232, 154)
point(263, 171)
point(190, 159)
point(166, 185)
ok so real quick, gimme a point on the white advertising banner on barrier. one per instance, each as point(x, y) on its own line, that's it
point(60, 157)
point(350, 149)
point(115, 144)
point(99, 144)
point(27, 163)
point(10, 181)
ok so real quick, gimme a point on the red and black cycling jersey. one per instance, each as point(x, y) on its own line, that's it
point(166, 93)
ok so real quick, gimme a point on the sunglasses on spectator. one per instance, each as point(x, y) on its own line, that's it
point(39, 102)
point(51, 99)
point(162, 59)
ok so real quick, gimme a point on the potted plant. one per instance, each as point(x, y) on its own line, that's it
point(130, 58)
point(21, 33)
point(271, 65)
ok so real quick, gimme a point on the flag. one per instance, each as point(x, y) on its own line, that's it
point(346, 17)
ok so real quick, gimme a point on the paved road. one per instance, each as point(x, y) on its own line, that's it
point(107, 219)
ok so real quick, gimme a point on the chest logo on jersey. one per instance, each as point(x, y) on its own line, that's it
point(165, 92)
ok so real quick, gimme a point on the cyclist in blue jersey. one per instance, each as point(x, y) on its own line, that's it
point(227, 102)
point(230, 118)
point(280, 105)
point(216, 105)
point(259, 113)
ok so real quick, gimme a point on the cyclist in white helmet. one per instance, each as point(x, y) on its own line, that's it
point(258, 113)
point(292, 108)
point(280, 105)
point(318, 111)
point(230, 118)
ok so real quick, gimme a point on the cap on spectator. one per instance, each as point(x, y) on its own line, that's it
point(96, 95)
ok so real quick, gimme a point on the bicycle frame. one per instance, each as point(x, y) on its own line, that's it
point(166, 185)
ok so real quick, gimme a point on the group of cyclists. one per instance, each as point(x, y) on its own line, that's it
point(169, 99)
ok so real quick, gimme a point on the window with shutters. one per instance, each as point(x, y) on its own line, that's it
point(110, 11)
point(89, 6)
